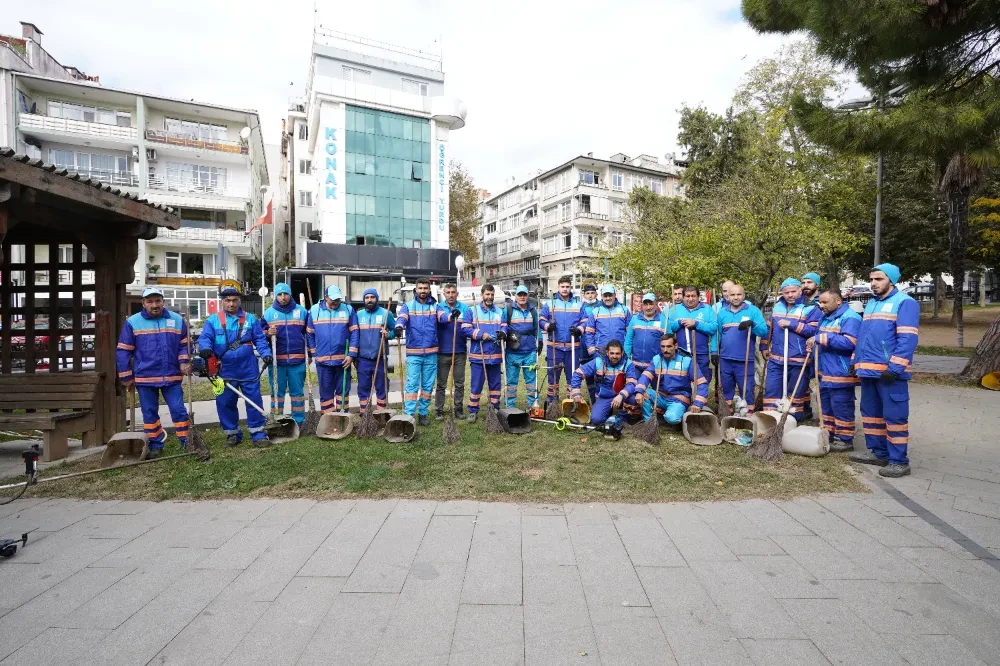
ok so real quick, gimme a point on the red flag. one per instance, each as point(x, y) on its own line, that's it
point(266, 218)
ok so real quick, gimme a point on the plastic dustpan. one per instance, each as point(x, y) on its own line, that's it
point(576, 413)
point(766, 421)
point(336, 425)
point(736, 423)
point(701, 428)
point(400, 429)
point(991, 380)
point(515, 421)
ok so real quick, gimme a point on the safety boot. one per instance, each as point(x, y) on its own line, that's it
point(866, 457)
point(232, 440)
point(839, 446)
point(894, 470)
point(424, 420)
point(439, 415)
point(471, 418)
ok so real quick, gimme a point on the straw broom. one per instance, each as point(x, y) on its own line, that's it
point(368, 425)
point(648, 430)
point(493, 425)
point(450, 433)
point(758, 403)
point(767, 447)
point(195, 443)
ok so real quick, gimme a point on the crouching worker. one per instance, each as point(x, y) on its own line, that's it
point(227, 342)
point(152, 356)
point(615, 379)
point(676, 373)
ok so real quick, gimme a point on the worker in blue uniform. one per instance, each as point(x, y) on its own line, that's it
point(285, 322)
point(419, 318)
point(559, 318)
point(608, 368)
point(485, 325)
point(523, 343)
point(675, 373)
point(587, 306)
point(740, 325)
point(642, 336)
point(332, 334)
point(810, 288)
point(229, 339)
point(451, 365)
point(836, 340)
point(152, 356)
point(608, 321)
point(693, 322)
point(376, 326)
point(798, 321)
point(882, 359)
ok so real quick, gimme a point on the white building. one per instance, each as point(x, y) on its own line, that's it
point(185, 154)
point(557, 222)
point(367, 150)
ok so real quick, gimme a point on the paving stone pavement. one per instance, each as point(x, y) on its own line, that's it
point(938, 364)
point(908, 574)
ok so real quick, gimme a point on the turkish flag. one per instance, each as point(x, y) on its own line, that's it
point(266, 218)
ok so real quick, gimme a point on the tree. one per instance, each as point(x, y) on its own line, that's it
point(715, 146)
point(937, 61)
point(463, 206)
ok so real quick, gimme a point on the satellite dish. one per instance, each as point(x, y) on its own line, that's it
point(245, 133)
point(262, 292)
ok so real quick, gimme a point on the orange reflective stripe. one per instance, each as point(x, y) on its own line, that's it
point(899, 360)
point(907, 330)
point(897, 427)
point(881, 367)
point(872, 419)
point(899, 441)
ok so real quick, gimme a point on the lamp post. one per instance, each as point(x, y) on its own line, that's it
point(459, 265)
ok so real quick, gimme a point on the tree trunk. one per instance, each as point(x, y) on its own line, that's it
point(939, 294)
point(982, 288)
point(986, 359)
point(958, 227)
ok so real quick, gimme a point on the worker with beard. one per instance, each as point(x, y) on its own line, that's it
point(586, 310)
point(810, 288)
point(836, 341)
point(486, 326)
point(616, 378)
point(376, 326)
point(558, 319)
point(523, 344)
point(642, 337)
point(450, 314)
point(739, 323)
point(672, 374)
point(698, 323)
point(285, 321)
point(419, 318)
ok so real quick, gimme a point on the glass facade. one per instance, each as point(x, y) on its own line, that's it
point(388, 179)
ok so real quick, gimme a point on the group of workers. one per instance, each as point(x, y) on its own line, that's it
point(630, 365)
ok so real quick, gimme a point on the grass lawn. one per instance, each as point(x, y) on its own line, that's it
point(544, 465)
point(939, 350)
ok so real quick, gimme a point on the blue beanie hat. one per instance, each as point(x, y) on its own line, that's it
point(368, 291)
point(891, 271)
point(282, 288)
point(790, 282)
point(812, 276)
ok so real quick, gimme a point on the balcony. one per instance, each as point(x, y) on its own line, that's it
point(227, 237)
point(586, 214)
point(54, 128)
point(196, 143)
point(196, 186)
point(529, 250)
point(115, 178)
point(185, 279)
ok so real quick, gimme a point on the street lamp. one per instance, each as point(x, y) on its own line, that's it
point(856, 105)
point(459, 265)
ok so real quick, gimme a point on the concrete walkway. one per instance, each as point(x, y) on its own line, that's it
point(939, 364)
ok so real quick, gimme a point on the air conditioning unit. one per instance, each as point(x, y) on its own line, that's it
point(151, 154)
point(135, 152)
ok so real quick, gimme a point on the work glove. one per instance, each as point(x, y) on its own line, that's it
point(744, 325)
point(500, 335)
point(206, 353)
point(455, 314)
point(889, 376)
point(539, 347)
point(399, 331)
point(268, 360)
point(715, 360)
point(852, 371)
point(576, 332)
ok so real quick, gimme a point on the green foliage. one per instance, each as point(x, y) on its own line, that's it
point(715, 146)
point(463, 206)
point(984, 227)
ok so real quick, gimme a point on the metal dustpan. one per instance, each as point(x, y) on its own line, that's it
point(576, 413)
point(515, 421)
point(737, 423)
point(400, 429)
point(701, 428)
point(129, 444)
point(336, 425)
point(283, 429)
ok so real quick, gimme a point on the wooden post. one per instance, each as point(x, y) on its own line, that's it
point(106, 304)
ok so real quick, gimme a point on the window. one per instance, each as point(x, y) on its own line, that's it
point(550, 245)
point(305, 166)
point(357, 75)
point(502, 247)
point(196, 178)
point(616, 210)
point(173, 262)
point(491, 228)
point(565, 210)
point(550, 214)
point(584, 203)
point(588, 240)
point(515, 245)
point(567, 241)
point(530, 264)
point(305, 198)
point(62, 159)
point(196, 130)
point(617, 180)
point(656, 185)
point(634, 180)
point(616, 238)
point(569, 267)
point(589, 178)
point(108, 168)
point(303, 132)
point(89, 114)
point(414, 87)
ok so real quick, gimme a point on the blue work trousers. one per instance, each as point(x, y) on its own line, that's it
point(672, 408)
point(291, 379)
point(838, 413)
point(731, 378)
point(559, 362)
point(518, 362)
point(334, 387)
point(885, 418)
point(149, 403)
point(600, 411)
point(229, 415)
point(491, 376)
point(421, 373)
point(773, 388)
point(591, 386)
point(366, 371)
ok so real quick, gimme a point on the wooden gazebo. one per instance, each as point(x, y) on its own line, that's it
point(69, 246)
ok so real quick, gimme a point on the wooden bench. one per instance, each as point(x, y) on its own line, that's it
point(69, 397)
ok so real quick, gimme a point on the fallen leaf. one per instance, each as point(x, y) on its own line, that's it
point(582, 653)
point(720, 483)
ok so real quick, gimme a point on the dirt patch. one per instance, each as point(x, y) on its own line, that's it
point(941, 332)
point(399, 464)
point(533, 474)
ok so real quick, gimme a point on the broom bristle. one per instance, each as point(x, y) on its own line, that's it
point(311, 422)
point(725, 409)
point(553, 411)
point(767, 447)
point(648, 431)
point(197, 445)
point(450, 433)
point(493, 425)
point(368, 425)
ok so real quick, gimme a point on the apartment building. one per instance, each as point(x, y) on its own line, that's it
point(559, 221)
point(203, 159)
point(367, 151)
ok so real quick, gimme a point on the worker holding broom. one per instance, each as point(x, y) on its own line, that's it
point(694, 324)
point(376, 325)
point(608, 321)
point(524, 344)
point(485, 325)
point(450, 314)
point(285, 322)
point(642, 336)
point(419, 319)
point(227, 343)
point(739, 323)
point(587, 306)
point(886, 343)
point(836, 341)
point(666, 384)
point(558, 319)
point(152, 357)
point(793, 322)
point(616, 378)
point(332, 334)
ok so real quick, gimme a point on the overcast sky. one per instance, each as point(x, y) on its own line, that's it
point(543, 81)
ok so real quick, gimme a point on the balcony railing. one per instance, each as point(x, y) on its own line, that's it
point(591, 216)
point(185, 279)
point(193, 186)
point(191, 141)
point(117, 178)
point(29, 121)
point(224, 236)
